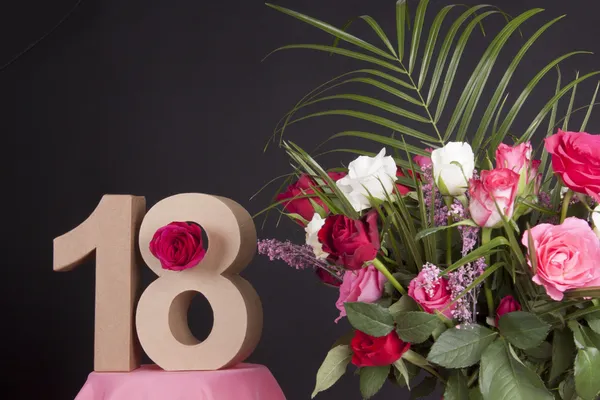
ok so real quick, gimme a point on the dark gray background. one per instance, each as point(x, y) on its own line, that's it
point(160, 97)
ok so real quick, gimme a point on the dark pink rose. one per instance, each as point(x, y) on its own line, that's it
point(370, 351)
point(350, 242)
point(567, 256)
point(178, 245)
point(507, 305)
point(431, 292)
point(305, 185)
point(327, 278)
point(495, 190)
point(576, 159)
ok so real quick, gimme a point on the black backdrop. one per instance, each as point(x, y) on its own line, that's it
point(160, 97)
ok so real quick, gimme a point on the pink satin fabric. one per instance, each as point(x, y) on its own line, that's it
point(242, 382)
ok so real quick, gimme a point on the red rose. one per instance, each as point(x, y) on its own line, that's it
point(327, 278)
point(576, 159)
point(372, 351)
point(350, 242)
point(403, 190)
point(178, 245)
point(507, 305)
point(304, 186)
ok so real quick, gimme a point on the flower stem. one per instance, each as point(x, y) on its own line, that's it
point(449, 200)
point(486, 234)
point(383, 269)
point(565, 205)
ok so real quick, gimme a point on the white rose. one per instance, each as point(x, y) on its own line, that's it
point(596, 220)
point(312, 236)
point(453, 166)
point(373, 176)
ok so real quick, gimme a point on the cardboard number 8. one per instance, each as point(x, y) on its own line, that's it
point(161, 316)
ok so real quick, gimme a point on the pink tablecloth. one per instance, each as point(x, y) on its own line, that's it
point(242, 382)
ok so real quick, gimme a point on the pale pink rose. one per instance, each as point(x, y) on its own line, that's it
point(494, 191)
point(431, 292)
point(516, 158)
point(364, 285)
point(567, 256)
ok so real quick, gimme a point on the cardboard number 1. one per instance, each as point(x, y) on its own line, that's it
point(161, 316)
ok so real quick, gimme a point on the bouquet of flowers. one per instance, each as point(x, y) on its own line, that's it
point(467, 253)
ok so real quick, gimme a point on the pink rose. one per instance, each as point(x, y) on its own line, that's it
point(576, 159)
point(567, 256)
point(518, 159)
point(364, 285)
point(178, 245)
point(305, 185)
point(431, 292)
point(496, 189)
point(535, 176)
point(507, 305)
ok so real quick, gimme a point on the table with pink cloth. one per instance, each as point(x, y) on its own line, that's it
point(149, 382)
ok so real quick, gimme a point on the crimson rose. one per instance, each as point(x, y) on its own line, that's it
point(350, 242)
point(304, 186)
point(178, 245)
point(372, 351)
point(576, 159)
point(507, 305)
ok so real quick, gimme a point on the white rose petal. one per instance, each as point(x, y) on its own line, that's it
point(453, 166)
point(368, 175)
point(596, 220)
point(312, 236)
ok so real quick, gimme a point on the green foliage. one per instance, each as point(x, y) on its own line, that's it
point(587, 373)
point(416, 326)
point(456, 388)
point(333, 367)
point(371, 319)
point(524, 330)
point(503, 376)
point(563, 350)
point(372, 379)
point(461, 347)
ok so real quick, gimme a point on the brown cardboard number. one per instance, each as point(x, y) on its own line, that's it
point(162, 310)
point(110, 232)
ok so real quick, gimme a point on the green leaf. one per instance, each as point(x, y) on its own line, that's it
point(400, 366)
point(524, 330)
point(590, 108)
point(332, 31)
point(332, 368)
point(461, 348)
point(397, 144)
point(401, 12)
point(373, 24)
point(343, 52)
point(372, 379)
point(418, 27)
point(479, 252)
point(593, 321)
point(475, 394)
point(587, 373)
point(570, 109)
point(429, 231)
point(445, 49)
point(502, 376)
point(404, 304)
point(424, 388)
point(501, 88)
point(416, 326)
point(456, 387)
point(543, 352)
point(566, 389)
point(563, 349)
point(434, 31)
point(371, 319)
point(584, 336)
